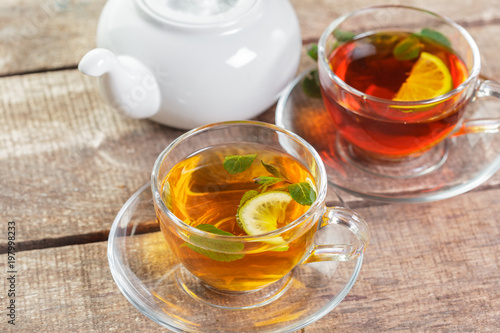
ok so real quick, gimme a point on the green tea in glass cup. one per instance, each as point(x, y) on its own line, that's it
point(239, 203)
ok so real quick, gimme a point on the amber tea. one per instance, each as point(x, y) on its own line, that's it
point(396, 66)
point(240, 190)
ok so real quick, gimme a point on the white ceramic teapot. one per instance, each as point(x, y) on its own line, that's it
point(185, 63)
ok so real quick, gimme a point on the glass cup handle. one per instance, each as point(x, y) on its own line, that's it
point(341, 252)
point(486, 88)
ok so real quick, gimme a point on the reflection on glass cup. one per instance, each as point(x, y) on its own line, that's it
point(234, 261)
point(396, 80)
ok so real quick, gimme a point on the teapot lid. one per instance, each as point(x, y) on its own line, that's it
point(196, 12)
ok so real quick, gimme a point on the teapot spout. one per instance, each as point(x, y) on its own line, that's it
point(124, 82)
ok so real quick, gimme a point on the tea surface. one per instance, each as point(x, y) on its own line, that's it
point(374, 65)
point(200, 191)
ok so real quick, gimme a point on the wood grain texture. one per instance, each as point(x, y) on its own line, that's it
point(46, 34)
point(68, 163)
point(429, 268)
point(55, 34)
point(315, 15)
point(70, 289)
point(436, 269)
point(69, 157)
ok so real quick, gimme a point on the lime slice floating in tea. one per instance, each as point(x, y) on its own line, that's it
point(429, 78)
point(260, 214)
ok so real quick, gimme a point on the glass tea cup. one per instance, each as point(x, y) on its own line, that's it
point(220, 267)
point(364, 58)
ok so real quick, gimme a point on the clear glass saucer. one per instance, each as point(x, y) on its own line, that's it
point(150, 277)
point(463, 162)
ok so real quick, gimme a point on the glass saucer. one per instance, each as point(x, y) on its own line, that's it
point(148, 275)
point(463, 162)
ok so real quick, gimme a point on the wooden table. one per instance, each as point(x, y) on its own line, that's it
point(68, 163)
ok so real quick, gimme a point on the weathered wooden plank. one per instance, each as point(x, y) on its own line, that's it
point(70, 289)
point(429, 267)
point(314, 16)
point(488, 41)
point(54, 34)
point(46, 34)
point(68, 162)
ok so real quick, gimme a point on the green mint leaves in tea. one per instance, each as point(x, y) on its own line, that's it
point(238, 163)
point(397, 65)
point(393, 58)
point(301, 192)
point(225, 191)
point(223, 246)
point(401, 67)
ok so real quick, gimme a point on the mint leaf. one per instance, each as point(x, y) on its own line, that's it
point(272, 169)
point(215, 244)
point(343, 36)
point(303, 193)
point(310, 84)
point(407, 49)
point(435, 36)
point(267, 181)
point(312, 51)
point(238, 163)
point(247, 196)
point(217, 256)
point(282, 248)
point(213, 229)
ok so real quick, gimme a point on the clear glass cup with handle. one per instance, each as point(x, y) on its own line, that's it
point(374, 130)
point(251, 270)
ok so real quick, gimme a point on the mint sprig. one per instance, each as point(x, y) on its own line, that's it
point(238, 163)
point(267, 181)
point(312, 51)
point(410, 47)
point(310, 84)
point(435, 36)
point(343, 36)
point(247, 196)
point(200, 243)
point(271, 169)
point(303, 193)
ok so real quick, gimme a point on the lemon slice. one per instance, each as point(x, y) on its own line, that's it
point(261, 213)
point(429, 78)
